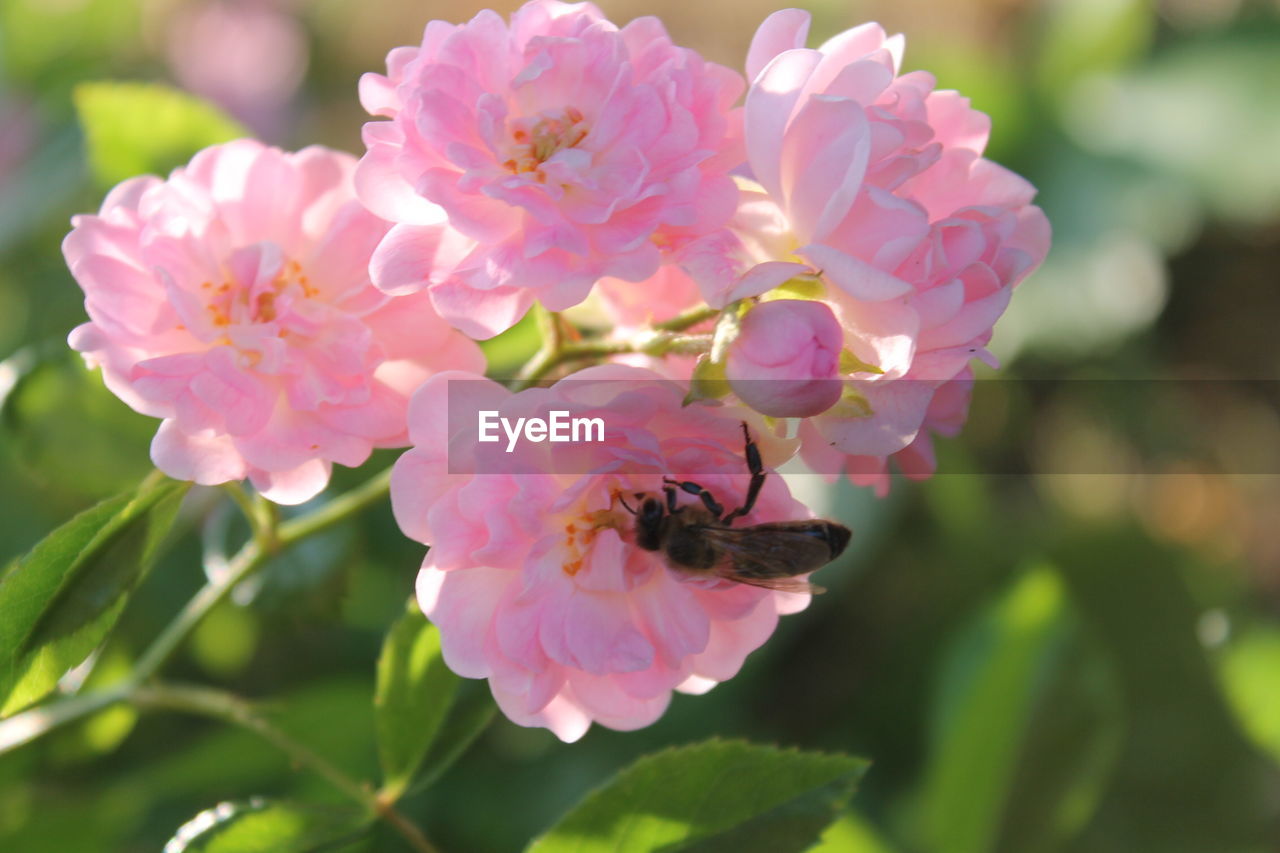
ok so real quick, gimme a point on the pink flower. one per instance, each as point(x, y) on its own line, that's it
point(560, 150)
point(784, 362)
point(233, 301)
point(534, 577)
point(871, 188)
point(947, 411)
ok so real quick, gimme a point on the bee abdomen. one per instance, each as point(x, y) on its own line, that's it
point(836, 536)
point(830, 534)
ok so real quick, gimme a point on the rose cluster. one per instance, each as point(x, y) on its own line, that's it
point(814, 255)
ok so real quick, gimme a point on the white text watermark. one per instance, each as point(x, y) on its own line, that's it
point(558, 427)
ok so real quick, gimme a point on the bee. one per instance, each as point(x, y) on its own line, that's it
point(700, 540)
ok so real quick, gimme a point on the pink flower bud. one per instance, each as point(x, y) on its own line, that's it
point(784, 362)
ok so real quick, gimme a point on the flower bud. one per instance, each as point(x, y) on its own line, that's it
point(785, 360)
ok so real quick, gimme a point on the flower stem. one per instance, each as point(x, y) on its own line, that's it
point(337, 510)
point(232, 709)
point(687, 319)
point(263, 516)
point(546, 360)
point(655, 343)
point(250, 558)
point(36, 722)
point(27, 726)
point(549, 327)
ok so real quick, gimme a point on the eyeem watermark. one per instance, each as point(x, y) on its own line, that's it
point(557, 427)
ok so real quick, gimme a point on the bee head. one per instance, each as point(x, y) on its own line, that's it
point(649, 515)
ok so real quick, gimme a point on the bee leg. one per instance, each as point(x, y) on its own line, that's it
point(756, 467)
point(708, 499)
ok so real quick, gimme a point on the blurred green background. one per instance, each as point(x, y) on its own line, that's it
point(1081, 653)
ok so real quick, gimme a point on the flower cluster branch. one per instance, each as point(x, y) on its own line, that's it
point(728, 271)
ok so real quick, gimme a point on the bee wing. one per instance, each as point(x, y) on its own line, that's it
point(769, 556)
point(779, 584)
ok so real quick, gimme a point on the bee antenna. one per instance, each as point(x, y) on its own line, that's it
point(626, 505)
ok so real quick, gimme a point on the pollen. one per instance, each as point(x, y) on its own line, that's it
point(537, 143)
point(266, 307)
point(579, 535)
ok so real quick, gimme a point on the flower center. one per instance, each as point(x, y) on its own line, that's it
point(537, 140)
point(233, 301)
point(580, 535)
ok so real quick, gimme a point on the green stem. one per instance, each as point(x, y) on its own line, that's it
point(36, 722)
point(668, 344)
point(661, 339)
point(546, 361)
point(263, 517)
point(249, 559)
point(244, 501)
point(688, 319)
point(650, 343)
point(337, 510)
point(232, 709)
point(549, 328)
point(27, 726)
point(551, 333)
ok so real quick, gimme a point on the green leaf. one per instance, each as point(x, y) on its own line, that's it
point(506, 353)
point(414, 693)
point(989, 684)
point(852, 404)
point(797, 824)
point(1186, 779)
point(708, 381)
point(850, 363)
point(1069, 749)
point(63, 597)
point(851, 834)
point(711, 796)
point(145, 128)
point(472, 710)
point(263, 826)
point(807, 287)
point(1250, 673)
point(43, 421)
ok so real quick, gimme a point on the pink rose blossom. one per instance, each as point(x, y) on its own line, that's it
point(872, 185)
point(534, 578)
point(525, 161)
point(233, 301)
point(785, 360)
point(948, 409)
